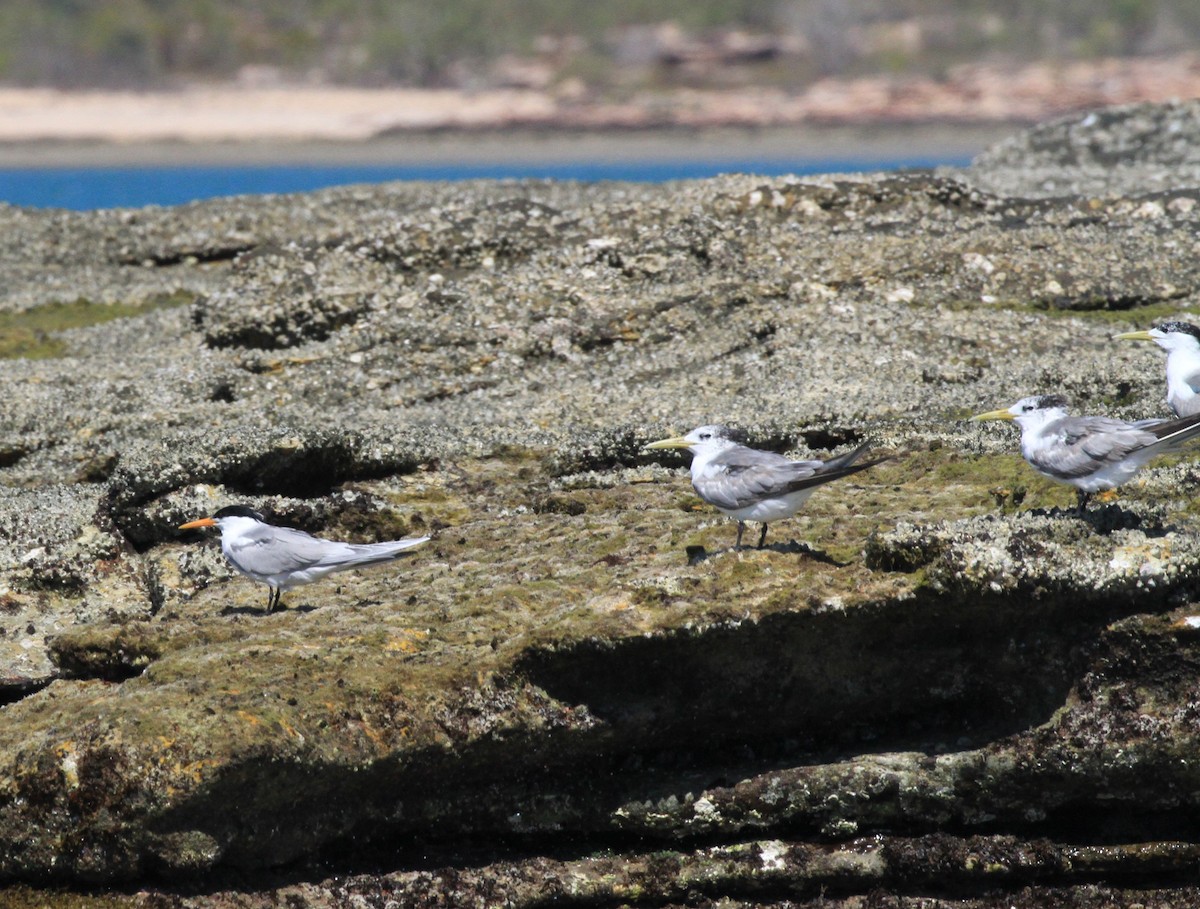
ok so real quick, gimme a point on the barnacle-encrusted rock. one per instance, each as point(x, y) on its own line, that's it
point(279, 298)
point(1129, 150)
point(938, 679)
point(1047, 554)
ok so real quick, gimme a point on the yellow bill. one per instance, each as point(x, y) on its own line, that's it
point(1134, 336)
point(673, 442)
point(993, 415)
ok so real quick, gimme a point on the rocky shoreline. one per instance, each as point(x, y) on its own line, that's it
point(937, 687)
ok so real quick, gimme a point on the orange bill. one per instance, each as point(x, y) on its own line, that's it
point(203, 522)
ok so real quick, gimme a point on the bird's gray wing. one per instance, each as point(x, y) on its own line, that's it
point(277, 550)
point(1170, 433)
point(738, 477)
point(750, 475)
point(1088, 444)
point(741, 485)
point(845, 460)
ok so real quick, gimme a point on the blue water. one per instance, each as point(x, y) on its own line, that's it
point(118, 187)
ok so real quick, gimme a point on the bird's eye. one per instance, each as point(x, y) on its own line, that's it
point(705, 436)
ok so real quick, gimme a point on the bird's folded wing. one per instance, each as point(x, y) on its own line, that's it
point(849, 457)
point(1176, 432)
point(740, 485)
point(277, 550)
point(1089, 444)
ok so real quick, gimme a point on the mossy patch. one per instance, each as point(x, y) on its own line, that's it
point(957, 485)
point(108, 651)
point(1128, 319)
point(24, 898)
point(32, 333)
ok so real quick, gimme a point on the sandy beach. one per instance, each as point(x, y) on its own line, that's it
point(45, 128)
point(869, 116)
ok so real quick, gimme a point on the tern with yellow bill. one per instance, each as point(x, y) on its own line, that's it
point(752, 485)
point(1181, 341)
point(1090, 453)
point(282, 557)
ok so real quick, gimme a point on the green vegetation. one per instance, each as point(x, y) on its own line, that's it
point(156, 42)
point(1120, 319)
point(33, 333)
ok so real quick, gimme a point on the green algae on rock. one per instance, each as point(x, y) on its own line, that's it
point(33, 333)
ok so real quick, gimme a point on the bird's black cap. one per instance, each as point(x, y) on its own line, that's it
point(238, 511)
point(1048, 402)
point(1184, 328)
point(732, 433)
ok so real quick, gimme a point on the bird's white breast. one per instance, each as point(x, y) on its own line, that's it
point(1182, 370)
point(773, 509)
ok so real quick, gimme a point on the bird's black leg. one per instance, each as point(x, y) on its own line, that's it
point(273, 600)
point(741, 529)
point(1081, 507)
point(762, 539)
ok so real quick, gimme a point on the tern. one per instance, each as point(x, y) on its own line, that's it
point(752, 485)
point(1181, 341)
point(1089, 453)
point(282, 557)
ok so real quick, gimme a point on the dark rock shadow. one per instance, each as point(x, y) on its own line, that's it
point(817, 555)
point(1114, 516)
point(244, 610)
point(1109, 518)
point(698, 554)
point(931, 675)
point(262, 611)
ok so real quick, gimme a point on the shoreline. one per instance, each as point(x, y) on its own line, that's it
point(878, 116)
point(525, 146)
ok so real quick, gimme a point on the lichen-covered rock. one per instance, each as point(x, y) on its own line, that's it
point(936, 679)
point(280, 298)
point(1108, 552)
point(1131, 150)
point(62, 562)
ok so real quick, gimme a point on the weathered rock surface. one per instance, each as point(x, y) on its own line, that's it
point(954, 691)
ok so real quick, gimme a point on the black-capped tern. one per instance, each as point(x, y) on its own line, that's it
point(282, 557)
point(752, 485)
point(1090, 453)
point(1181, 341)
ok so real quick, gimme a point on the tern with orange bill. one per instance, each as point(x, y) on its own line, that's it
point(282, 557)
